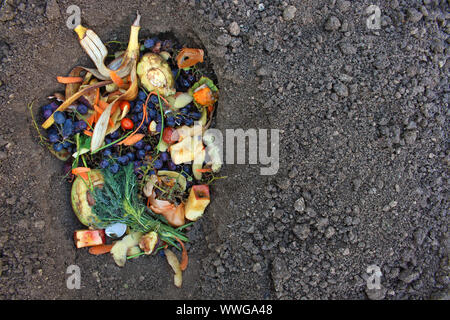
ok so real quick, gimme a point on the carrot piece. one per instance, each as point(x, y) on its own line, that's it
point(88, 133)
point(102, 104)
point(100, 249)
point(98, 109)
point(67, 80)
point(116, 79)
point(204, 96)
point(136, 138)
point(189, 57)
point(114, 107)
point(184, 256)
point(204, 170)
point(82, 172)
point(97, 96)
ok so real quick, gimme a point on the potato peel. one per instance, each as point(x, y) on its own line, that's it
point(120, 248)
point(175, 264)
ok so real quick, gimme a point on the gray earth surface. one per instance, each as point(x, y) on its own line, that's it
point(363, 178)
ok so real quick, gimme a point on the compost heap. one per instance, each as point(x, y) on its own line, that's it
point(130, 133)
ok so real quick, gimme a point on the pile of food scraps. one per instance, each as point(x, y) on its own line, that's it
point(130, 133)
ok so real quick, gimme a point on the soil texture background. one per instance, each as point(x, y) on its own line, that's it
point(363, 170)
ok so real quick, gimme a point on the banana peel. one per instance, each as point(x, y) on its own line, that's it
point(94, 47)
point(131, 55)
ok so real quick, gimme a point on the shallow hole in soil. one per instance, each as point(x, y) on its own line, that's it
point(67, 220)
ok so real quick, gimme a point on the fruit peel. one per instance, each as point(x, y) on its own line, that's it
point(198, 200)
point(155, 74)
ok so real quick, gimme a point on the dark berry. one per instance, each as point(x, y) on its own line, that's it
point(139, 144)
point(82, 109)
point(187, 169)
point(67, 128)
point(170, 121)
point(104, 164)
point(57, 146)
point(47, 114)
point(66, 144)
point(148, 148)
point(171, 165)
point(152, 113)
point(123, 160)
point(47, 107)
point(59, 117)
point(114, 168)
point(149, 43)
point(196, 115)
point(131, 156)
point(188, 121)
point(158, 164)
point(164, 156)
point(115, 135)
point(54, 106)
point(140, 154)
point(107, 153)
point(138, 107)
point(154, 99)
point(53, 137)
point(135, 119)
point(80, 125)
point(142, 95)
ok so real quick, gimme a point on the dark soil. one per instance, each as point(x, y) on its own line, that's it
point(364, 154)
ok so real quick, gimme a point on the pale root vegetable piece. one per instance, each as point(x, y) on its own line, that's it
point(163, 146)
point(187, 150)
point(182, 100)
point(148, 242)
point(185, 131)
point(133, 251)
point(175, 264)
point(198, 164)
point(120, 248)
point(197, 202)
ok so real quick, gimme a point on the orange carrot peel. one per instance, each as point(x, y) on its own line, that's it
point(101, 249)
point(82, 172)
point(189, 57)
point(67, 80)
point(184, 256)
point(116, 79)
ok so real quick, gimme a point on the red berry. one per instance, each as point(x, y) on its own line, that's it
point(127, 124)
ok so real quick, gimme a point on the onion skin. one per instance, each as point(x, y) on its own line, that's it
point(173, 214)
